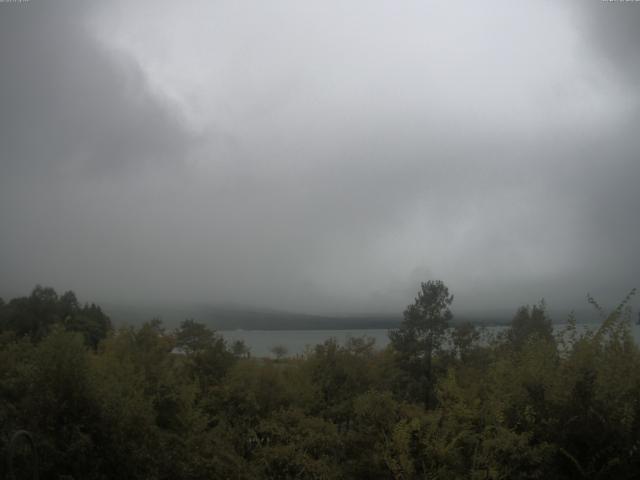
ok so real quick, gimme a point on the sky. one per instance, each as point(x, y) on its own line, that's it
point(321, 157)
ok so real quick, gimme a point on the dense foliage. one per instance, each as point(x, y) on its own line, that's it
point(439, 403)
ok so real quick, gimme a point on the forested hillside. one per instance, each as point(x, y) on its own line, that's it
point(439, 402)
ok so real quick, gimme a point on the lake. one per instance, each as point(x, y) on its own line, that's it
point(296, 341)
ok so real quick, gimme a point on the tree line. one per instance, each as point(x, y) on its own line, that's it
point(440, 402)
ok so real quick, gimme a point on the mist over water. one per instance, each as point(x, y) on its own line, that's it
point(319, 240)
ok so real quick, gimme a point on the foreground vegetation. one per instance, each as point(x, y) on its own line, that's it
point(439, 402)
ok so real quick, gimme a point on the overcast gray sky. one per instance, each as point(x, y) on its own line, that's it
point(322, 157)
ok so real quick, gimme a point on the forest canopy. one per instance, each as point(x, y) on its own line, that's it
point(442, 400)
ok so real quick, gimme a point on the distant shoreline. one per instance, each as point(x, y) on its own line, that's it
point(226, 318)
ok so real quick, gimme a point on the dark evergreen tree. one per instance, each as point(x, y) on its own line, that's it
point(421, 334)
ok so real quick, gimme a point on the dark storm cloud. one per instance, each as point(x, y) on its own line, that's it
point(67, 102)
point(611, 30)
point(221, 153)
point(74, 118)
point(607, 186)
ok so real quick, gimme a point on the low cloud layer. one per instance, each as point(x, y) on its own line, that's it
point(321, 158)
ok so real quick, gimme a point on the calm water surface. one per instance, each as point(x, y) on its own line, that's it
point(297, 341)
